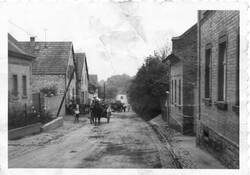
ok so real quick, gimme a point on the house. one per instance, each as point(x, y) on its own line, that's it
point(93, 86)
point(53, 67)
point(122, 98)
point(19, 73)
point(183, 72)
point(218, 85)
point(83, 77)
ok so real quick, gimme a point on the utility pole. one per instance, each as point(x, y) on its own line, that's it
point(104, 91)
point(65, 92)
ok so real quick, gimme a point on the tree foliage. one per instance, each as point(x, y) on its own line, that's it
point(149, 87)
point(92, 88)
point(50, 90)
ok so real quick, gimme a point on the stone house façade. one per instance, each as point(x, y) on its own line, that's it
point(83, 77)
point(183, 72)
point(19, 74)
point(218, 85)
point(53, 67)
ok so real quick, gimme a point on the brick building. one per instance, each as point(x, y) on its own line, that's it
point(218, 85)
point(53, 66)
point(183, 72)
point(83, 77)
point(19, 73)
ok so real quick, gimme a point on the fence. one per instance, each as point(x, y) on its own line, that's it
point(38, 101)
point(20, 115)
point(52, 104)
point(23, 114)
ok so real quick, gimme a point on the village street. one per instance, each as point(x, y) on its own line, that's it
point(163, 78)
point(126, 142)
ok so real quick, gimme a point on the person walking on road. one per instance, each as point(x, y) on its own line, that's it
point(77, 113)
point(109, 111)
point(128, 107)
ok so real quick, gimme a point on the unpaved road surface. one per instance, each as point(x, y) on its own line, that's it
point(126, 142)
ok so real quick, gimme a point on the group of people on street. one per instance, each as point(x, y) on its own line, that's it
point(126, 107)
point(98, 109)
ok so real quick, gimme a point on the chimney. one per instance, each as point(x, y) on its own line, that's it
point(32, 41)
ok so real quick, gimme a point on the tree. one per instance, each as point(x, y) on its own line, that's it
point(149, 87)
point(92, 88)
point(120, 82)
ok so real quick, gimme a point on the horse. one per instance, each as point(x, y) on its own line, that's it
point(96, 114)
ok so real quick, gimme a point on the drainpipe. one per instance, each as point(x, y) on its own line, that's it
point(199, 74)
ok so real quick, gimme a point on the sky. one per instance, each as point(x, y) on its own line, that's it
point(116, 37)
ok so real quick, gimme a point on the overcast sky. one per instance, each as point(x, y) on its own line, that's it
point(116, 37)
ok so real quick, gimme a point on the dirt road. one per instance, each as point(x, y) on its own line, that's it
point(126, 142)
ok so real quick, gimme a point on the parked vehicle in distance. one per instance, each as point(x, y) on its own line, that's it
point(117, 106)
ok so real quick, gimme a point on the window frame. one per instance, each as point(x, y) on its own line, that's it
point(172, 93)
point(179, 91)
point(208, 48)
point(15, 88)
point(175, 95)
point(222, 103)
point(236, 105)
point(222, 40)
point(24, 86)
point(237, 98)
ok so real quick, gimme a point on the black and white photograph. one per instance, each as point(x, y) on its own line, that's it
point(148, 86)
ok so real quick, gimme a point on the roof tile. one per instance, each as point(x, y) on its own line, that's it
point(52, 57)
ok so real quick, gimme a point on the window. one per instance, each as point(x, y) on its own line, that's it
point(207, 72)
point(73, 94)
point(15, 85)
point(24, 85)
point(179, 91)
point(121, 97)
point(174, 91)
point(237, 103)
point(222, 70)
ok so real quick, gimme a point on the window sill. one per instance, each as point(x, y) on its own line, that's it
point(236, 109)
point(207, 101)
point(178, 106)
point(14, 98)
point(222, 105)
point(24, 97)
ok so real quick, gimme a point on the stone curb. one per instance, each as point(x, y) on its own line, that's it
point(52, 124)
point(24, 131)
point(162, 137)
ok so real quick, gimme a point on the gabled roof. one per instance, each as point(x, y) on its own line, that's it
point(15, 50)
point(52, 57)
point(80, 59)
point(172, 58)
point(191, 29)
point(93, 79)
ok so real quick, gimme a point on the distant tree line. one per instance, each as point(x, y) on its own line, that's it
point(114, 85)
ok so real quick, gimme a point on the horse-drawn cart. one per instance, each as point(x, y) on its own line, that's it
point(117, 106)
point(99, 111)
